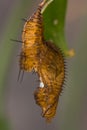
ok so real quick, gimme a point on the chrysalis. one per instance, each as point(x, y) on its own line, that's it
point(44, 58)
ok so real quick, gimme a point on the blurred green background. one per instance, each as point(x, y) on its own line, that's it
point(18, 110)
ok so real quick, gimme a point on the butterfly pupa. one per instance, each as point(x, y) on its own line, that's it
point(44, 58)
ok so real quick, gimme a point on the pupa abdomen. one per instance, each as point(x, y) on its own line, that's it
point(32, 38)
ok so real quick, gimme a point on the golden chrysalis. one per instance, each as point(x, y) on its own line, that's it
point(44, 58)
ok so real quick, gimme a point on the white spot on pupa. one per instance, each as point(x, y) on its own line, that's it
point(55, 22)
point(41, 85)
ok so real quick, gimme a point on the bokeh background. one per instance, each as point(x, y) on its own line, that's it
point(17, 106)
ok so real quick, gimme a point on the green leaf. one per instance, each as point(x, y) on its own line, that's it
point(54, 22)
